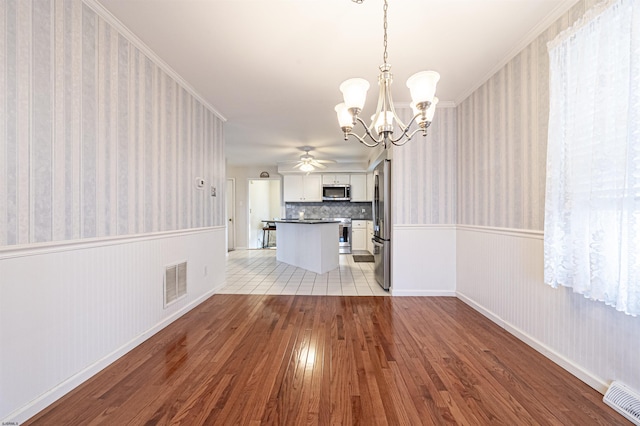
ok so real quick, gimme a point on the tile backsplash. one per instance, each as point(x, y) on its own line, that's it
point(329, 209)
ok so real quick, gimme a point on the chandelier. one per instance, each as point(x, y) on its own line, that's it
point(422, 87)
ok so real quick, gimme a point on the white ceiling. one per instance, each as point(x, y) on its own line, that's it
point(272, 68)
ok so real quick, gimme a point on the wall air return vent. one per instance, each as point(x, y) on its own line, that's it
point(624, 400)
point(175, 283)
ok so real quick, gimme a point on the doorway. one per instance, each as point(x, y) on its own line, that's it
point(230, 214)
point(264, 204)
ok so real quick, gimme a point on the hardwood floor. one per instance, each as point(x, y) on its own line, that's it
point(289, 360)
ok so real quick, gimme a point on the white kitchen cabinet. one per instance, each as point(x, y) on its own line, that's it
point(359, 187)
point(333, 179)
point(359, 235)
point(370, 236)
point(302, 188)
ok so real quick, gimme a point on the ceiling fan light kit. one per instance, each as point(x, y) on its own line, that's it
point(422, 87)
point(308, 163)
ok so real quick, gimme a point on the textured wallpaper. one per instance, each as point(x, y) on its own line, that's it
point(424, 173)
point(502, 139)
point(97, 140)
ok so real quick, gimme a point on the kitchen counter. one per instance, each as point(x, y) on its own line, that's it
point(305, 221)
point(309, 244)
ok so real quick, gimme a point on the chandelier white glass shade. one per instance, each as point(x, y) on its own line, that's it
point(422, 87)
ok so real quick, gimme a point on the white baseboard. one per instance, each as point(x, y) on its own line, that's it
point(590, 379)
point(48, 398)
point(425, 293)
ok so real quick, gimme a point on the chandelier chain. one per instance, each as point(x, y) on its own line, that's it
point(386, 5)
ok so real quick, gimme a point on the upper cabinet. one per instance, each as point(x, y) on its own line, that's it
point(359, 188)
point(308, 188)
point(333, 179)
point(305, 188)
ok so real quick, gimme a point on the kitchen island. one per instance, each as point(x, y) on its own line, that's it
point(308, 244)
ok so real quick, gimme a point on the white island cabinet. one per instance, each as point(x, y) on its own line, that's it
point(308, 244)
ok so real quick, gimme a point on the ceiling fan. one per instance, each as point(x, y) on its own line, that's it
point(308, 162)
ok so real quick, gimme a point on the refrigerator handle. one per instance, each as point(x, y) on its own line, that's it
point(375, 243)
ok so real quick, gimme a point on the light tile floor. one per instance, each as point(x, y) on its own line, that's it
point(258, 272)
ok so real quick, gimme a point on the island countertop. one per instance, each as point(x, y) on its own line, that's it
point(304, 221)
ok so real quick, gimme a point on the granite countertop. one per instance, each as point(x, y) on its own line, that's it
point(305, 221)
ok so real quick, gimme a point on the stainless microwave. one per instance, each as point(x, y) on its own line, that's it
point(336, 192)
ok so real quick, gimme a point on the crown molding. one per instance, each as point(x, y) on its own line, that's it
point(441, 104)
point(122, 29)
point(535, 32)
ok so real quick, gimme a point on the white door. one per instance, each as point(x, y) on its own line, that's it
point(230, 213)
point(264, 204)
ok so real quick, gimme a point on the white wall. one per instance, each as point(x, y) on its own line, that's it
point(275, 199)
point(424, 260)
point(423, 193)
point(500, 273)
point(101, 147)
point(502, 137)
point(68, 310)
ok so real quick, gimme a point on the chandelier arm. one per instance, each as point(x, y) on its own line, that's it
point(405, 130)
point(400, 143)
point(362, 139)
point(368, 133)
point(400, 123)
point(392, 108)
point(408, 138)
point(383, 125)
point(380, 108)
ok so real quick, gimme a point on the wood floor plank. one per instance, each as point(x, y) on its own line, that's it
point(293, 360)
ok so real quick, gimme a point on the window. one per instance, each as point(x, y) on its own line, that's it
point(592, 201)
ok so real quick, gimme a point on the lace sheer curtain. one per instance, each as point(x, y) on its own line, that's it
point(592, 205)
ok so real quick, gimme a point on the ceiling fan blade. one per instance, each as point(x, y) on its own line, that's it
point(314, 163)
point(298, 165)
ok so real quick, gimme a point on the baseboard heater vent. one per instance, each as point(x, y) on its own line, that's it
point(175, 283)
point(624, 400)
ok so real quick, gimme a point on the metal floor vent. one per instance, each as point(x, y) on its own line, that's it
point(175, 282)
point(624, 400)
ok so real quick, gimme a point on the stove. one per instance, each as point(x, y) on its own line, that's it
point(344, 234)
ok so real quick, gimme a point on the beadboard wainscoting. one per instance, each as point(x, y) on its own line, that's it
point(68, 310)
point(500, 273)
point(423, 259)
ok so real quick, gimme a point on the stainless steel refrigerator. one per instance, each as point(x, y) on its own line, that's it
point(382, 223)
